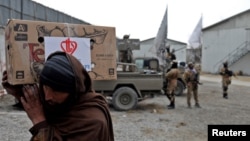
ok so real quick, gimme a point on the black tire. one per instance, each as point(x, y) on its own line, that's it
point(124, 98)
point(179, 89)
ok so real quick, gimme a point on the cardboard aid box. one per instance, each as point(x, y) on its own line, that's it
point(32, 41)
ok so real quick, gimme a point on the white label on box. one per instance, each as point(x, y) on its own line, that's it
point(79, 47)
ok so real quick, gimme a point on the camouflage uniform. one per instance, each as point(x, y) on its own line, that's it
point(171, 78)
point(191, 79)
point(126, 57)
point(226, 79)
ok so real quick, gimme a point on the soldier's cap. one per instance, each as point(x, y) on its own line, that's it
point(225, 64)
point(190, 63)
point(174, 62)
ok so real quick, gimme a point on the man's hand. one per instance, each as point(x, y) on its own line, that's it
point(32, 104)
point(15, 90)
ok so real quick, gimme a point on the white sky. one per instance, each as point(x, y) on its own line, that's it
point(142, 18)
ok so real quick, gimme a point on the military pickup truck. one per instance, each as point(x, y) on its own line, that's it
point(146, 80)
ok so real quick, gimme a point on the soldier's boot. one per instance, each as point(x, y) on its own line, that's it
point(171, 105)
point(225, 92)
point(225, 96)
point(197, 105)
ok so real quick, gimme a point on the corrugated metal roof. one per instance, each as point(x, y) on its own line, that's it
point(225, 20)
point(31, 10)
point(168, 39)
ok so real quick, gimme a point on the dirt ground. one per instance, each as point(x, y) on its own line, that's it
point(151, 120)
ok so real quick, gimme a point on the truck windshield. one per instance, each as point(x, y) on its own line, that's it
point(139, 63)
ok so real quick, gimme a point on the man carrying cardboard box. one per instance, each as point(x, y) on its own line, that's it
point(64, 106)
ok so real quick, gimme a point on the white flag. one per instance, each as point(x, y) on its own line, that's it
point(161, 39)
point(195, 38)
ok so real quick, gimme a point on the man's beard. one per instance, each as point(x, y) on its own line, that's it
point(57, 110)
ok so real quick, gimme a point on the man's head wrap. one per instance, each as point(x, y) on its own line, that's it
point(58, 74)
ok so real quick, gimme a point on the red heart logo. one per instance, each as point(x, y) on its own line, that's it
point(68, 46)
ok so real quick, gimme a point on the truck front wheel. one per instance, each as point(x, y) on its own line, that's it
point(124, 98)
point(179, 89)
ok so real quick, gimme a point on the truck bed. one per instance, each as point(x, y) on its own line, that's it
point(142, 82)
